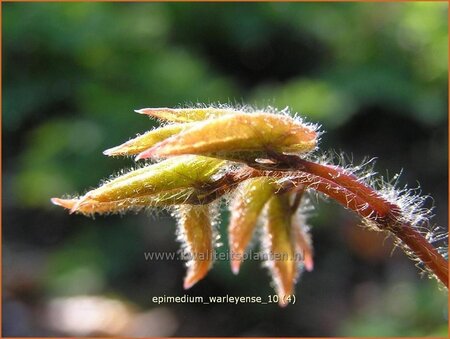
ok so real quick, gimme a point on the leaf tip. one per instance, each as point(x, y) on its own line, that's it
point(141, 110)
point(153, 112)
point(282, 303)
point(154, 151)
point(111, 151)
point(71, 204)
point(309, 263)
point(188, 284)
point(194, 275)
point(235, 266)
point(143, 155)
point(60, 202)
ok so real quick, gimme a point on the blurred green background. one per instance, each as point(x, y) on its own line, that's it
point(375, 77)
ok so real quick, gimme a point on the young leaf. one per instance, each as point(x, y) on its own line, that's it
point(175, 173)
point(302, 241)
point(146, 140)
point(281, 261)
point(238, 133)
point(195, 231)
point(185, 114)
point(245, 210)
point(91, 206)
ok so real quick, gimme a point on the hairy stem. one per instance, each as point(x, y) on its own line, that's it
point(346, 189)
point(365, 201)
point(417, 243)
point(424, 251)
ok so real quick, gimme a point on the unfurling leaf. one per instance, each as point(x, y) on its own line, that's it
point(247, 204)
point(281, 250)
point(302, 241)
point(165, 176)
point(185, 114)
point(90, 206)
point(195, 231)
point(239, 133)
point(146, 140)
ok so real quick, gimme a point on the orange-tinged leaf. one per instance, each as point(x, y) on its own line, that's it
point(281, 261)
point(185, 114)
point(195, 230)
point(239, 132)
point(175, 173)
point(246, 207)
point(146, 140)
point(91, 206)
point(303, 241)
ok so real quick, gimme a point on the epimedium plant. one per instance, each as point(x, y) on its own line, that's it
point(263, 164)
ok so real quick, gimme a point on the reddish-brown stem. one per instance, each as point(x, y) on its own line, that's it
point(336, 192)
point(408, 235)
point(364, 200)
point(424, 251)
point(336, 174)
point(345, 188)
point(351, 183)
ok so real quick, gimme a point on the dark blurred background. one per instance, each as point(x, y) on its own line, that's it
point(375, 77)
